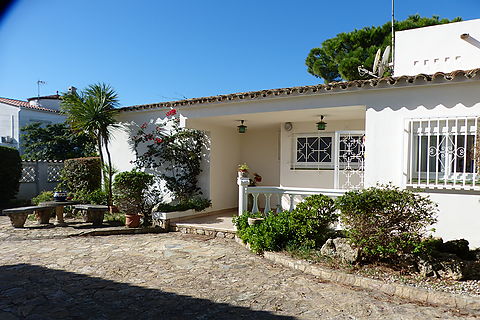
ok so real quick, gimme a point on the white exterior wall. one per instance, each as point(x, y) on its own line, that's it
point(437, 48)
point(323, 178)
point(387, 148)
point(259, 148)
point(9, 124)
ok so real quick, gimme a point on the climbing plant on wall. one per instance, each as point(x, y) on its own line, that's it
point(174, 153)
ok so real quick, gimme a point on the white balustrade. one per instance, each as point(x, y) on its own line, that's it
point(266, 193)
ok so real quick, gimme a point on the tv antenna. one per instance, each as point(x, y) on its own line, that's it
point(39, 82)
point(379, 66)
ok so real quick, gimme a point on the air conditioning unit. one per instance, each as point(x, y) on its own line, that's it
point(7, 139)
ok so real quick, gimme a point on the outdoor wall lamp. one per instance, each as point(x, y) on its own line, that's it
point(242, 128)
point(322, 124)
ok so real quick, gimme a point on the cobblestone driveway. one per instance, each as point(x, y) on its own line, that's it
point(173, 276)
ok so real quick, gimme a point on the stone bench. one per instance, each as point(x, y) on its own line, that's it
point(18, 216)
point(92, 212)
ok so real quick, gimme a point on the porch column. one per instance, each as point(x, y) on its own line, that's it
point(242, 194)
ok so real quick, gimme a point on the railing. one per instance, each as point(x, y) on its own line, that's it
point(273, 196)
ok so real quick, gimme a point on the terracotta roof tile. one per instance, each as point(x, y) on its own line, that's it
point(25, 104)
point(387, 82)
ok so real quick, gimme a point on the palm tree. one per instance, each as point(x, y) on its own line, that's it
point(93, 111)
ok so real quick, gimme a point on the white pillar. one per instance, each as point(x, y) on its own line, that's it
point(242, 194)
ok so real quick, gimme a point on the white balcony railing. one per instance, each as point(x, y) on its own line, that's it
point(273, 196)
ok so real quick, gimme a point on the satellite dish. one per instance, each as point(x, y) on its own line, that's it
point(384, 64)
point(377, 60)
point(379, 67)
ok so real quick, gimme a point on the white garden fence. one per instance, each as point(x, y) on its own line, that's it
point(38, 176)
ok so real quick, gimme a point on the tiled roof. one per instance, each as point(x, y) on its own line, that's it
point(380, 83)
point(25, 104)
point(53, 96)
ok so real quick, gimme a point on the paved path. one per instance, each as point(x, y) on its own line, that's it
point(173, 276)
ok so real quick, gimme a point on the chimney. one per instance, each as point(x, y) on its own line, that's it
point(72, 89)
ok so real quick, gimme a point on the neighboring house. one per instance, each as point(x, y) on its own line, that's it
point(412, 130)
point(15, 114)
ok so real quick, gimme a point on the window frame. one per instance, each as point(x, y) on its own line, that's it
point(451, 136)
point(318, 164)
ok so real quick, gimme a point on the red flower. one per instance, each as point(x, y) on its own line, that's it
point(158, 140)
point(171, 113)
point(144, 125)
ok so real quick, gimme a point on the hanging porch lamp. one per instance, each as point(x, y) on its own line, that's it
point(321, 125)
point(242, 128)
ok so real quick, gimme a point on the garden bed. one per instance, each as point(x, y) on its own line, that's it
point(387, 274)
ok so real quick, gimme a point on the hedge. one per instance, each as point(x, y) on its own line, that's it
point(10, 174)
point(80, 175)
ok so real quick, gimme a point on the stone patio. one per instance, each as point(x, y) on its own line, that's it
point(171, 276)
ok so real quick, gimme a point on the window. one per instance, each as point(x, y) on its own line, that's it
point(442, 153)
point(314, 151)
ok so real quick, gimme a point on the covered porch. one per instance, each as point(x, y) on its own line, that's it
point(287, 149)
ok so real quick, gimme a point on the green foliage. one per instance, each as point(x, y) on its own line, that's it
point(386, 221)
point(80, 176)
point(10, 174)
point(93, 112)
point(311, 220)
point(97, 196)
point(338, 58)
point(197, 203)
point(114, 217)
point(44, 196)
point(307, 226)
point(174, 153)
point(55, 142)
point(131, 189)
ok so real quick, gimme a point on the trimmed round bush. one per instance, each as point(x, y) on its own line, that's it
point(10, 174)
point(386, 221)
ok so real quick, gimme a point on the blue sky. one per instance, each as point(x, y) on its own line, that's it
point(152, 51)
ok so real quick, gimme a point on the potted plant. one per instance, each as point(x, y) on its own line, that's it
point(243, 170)
point(130, 190)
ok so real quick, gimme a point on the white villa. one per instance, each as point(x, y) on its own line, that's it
point(417, 129)
point(15, 114)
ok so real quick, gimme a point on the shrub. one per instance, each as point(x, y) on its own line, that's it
point(43, 197)
point(196, 203)
point(10, 174)
point(97, 196)
point(312, 220)
point(272, 234)
point(81, 175)
point(307, 226)
point(130, 190)
point(386, 221)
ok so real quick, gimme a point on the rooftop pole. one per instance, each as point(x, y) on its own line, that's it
point(393, 35)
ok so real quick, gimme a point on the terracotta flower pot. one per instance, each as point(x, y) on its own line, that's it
point(132, 220)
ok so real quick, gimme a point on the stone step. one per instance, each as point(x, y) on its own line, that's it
point(209, 231)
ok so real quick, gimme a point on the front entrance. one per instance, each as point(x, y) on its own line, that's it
point(349, 160)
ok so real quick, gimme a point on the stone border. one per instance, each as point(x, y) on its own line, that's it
point(217, 233)
point(421, 295)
